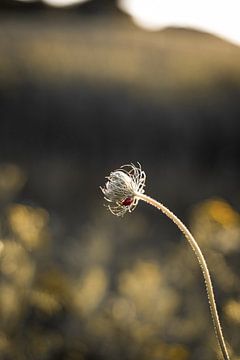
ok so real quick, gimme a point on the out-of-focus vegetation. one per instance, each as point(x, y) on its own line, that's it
point(79, 308)
point(79, 96)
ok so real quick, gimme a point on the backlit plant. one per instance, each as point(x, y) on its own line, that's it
point(123, 189)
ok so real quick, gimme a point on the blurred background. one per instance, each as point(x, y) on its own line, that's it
point(83, 90)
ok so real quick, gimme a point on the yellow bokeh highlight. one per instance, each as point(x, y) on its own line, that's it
point(217, 224)
point(232, 311)
point(164, 351)
point(221, 212)
point(123, 310)
point(1, 247)
point(45, 302)
point(218, 210)
point(29, 224)
point(91, 290)
point(9, 303)
point(51, 290)
point(145, 276)
point(146, 289)
point(16, 265)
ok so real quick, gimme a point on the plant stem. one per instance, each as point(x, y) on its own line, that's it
point(203, 265)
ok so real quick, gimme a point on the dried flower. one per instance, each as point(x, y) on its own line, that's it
point(122, 187)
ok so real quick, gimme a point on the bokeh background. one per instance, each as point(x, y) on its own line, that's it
point(82, 91)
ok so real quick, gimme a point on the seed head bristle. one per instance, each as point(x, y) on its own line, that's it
point(122, 187)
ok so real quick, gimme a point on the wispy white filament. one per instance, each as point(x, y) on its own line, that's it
point(124, 184)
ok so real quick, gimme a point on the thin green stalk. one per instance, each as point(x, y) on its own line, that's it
point(203, 265)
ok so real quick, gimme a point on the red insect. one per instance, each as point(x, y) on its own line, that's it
point(128, 201)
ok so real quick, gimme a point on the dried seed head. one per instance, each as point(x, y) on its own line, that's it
point(122, 187)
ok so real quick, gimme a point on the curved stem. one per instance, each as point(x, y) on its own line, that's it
point(203, 265)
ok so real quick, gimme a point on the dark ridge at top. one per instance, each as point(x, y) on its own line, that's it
point(89, 7)
point(21, 6)
point(96, 6)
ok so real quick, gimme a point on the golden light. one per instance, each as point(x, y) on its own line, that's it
point(29, 224)
point(144, 287)
point(16, 265)
point(232, 310)
point(45, 301)
point(217, 224)
point(91, 290)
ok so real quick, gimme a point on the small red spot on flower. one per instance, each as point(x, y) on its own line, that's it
point(128, 201)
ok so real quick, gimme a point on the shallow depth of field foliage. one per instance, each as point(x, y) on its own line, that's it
point(108, 291)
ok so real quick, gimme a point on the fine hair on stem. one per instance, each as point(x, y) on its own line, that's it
point(123, 190)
